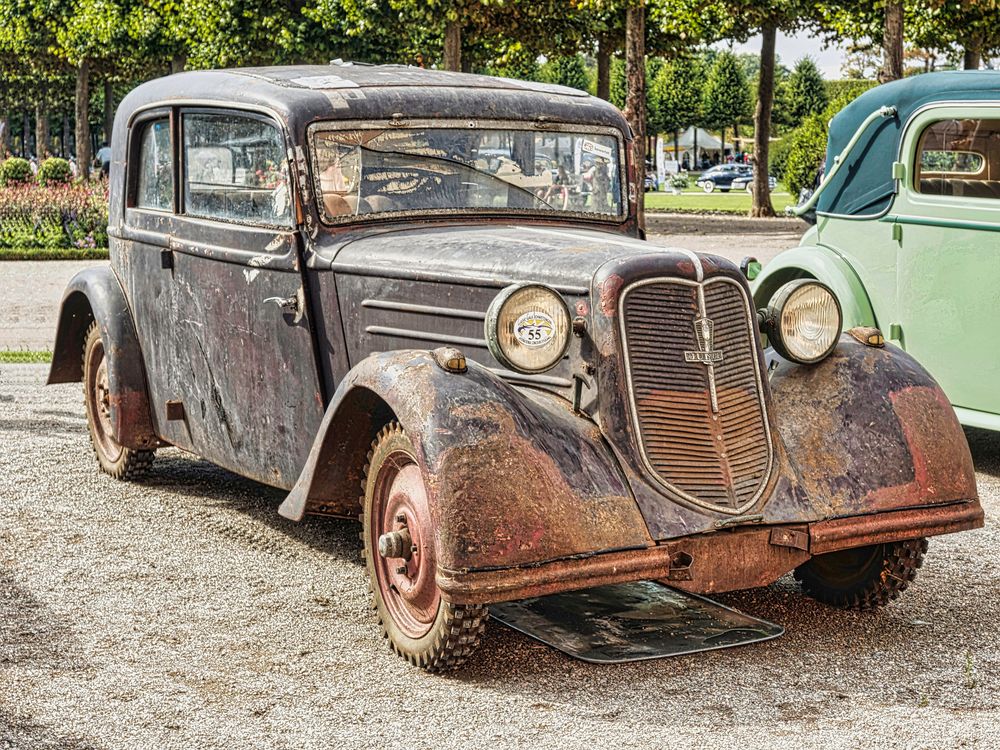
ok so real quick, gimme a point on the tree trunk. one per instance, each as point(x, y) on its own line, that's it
point(603, 69)
point(635, 97)
point(26, 134)
point(41, 131)
point(109, 110)
point(82, 118)
point(64, 144)
point(761, 205)
point(4, 135)
point(177, 63)
point(973, 56)
point(892, 42)
point(453, 46)
point(722, 146)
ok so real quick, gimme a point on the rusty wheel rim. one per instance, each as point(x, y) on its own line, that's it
point(407, 586)
point(99, 403)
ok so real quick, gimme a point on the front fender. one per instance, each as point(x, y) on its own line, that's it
point(868, 430)
point(514, 477)
point(95, 295)
point(820, 263)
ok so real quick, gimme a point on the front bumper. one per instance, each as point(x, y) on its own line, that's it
point(741, 558)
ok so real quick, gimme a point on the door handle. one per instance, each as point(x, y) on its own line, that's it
point(294, 305)
point(288, 304)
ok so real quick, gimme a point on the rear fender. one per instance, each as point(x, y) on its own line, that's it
point(514, 477)
point(820, 263)
point(868, 430)
point(95, 294)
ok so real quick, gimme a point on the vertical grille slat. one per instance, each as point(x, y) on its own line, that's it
point(721, 460)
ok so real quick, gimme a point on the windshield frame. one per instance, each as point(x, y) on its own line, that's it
point(326, 126)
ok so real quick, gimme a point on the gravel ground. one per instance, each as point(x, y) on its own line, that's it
point(32, 290)
point(183, 612)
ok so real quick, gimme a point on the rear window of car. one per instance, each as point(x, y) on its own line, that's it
point(155, 181)
point(953, 158)
point(235, 169)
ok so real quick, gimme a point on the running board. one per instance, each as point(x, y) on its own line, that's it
point(632, 622)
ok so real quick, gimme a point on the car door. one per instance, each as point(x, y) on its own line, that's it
point(223, 316)
point(947, 226)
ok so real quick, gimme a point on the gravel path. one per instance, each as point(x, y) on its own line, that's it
point(184, 613)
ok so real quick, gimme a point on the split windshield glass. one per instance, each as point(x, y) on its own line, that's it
point(402, 170)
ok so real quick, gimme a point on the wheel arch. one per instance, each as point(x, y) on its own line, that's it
point(512, 478)
point(822, 264)
point(94, 295)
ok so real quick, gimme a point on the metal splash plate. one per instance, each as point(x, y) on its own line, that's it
point(632, 622)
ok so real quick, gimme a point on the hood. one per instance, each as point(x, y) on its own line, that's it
point(495, 255)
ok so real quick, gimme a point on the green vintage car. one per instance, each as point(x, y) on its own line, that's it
point(907, 229)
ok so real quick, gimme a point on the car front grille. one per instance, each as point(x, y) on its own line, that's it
point(706, 441)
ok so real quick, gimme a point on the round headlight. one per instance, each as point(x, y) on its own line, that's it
point(804, 321)
point(528, 327)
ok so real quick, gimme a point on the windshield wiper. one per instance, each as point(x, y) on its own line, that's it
point(424, 157)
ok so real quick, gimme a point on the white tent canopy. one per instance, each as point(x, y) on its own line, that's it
point(706, 141)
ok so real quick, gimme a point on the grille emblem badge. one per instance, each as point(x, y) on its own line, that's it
point(704, 333)
point(704, 330)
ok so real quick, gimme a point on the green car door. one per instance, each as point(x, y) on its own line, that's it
point(946, 223)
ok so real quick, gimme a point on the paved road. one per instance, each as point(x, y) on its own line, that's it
point(184, 613)
point(31, 290)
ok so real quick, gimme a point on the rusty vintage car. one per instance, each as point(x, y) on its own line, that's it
point(424, 298)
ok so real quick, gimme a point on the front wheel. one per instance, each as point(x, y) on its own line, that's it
point(708, 186)
point(863, 577)
point(399, 551)
point(113, 458)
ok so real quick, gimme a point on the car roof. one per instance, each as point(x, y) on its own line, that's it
point(300, 94)
point(864, 185)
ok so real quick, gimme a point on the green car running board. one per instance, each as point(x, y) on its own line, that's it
point(632, 622)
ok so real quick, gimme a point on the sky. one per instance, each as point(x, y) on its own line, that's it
point(790, 48)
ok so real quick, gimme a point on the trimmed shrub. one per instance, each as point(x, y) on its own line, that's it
point(55, 171)
point(806, 154)
point(15, 171)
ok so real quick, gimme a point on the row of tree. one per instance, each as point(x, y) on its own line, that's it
point(54, 51)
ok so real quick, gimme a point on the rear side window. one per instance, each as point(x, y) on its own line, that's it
point(235, 169)
point(155, 181)
point(958, 157)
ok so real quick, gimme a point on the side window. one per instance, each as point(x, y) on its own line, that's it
point(155, 181)
point(235, 169)
point(958, 157)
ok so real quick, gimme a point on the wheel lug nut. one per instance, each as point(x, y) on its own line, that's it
point(400, 518)
point(401, 570)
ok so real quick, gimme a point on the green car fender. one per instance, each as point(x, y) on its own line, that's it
point(823, 264)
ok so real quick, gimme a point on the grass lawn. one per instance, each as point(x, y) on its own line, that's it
point(695, 200)
point(23, 356)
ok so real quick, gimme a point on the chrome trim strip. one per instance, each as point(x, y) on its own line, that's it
point(760, 391)
point(437, 338)
point(520, 377)
point(444, 312)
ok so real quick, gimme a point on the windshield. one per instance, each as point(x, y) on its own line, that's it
point(428, 170)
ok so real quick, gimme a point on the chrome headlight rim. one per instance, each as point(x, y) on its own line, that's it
point(494, 319)
point(779, 305)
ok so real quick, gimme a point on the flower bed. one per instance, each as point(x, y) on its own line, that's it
point(54, 217)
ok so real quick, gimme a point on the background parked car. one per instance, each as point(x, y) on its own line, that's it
point(721, 177)
point(745, 182)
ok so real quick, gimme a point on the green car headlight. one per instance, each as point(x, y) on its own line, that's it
point(528, 328)
point(803, 321)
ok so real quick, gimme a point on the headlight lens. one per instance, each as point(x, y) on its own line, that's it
point(528, 327)
point(804, 321)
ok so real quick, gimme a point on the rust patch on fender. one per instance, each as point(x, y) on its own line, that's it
point(942, 464)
